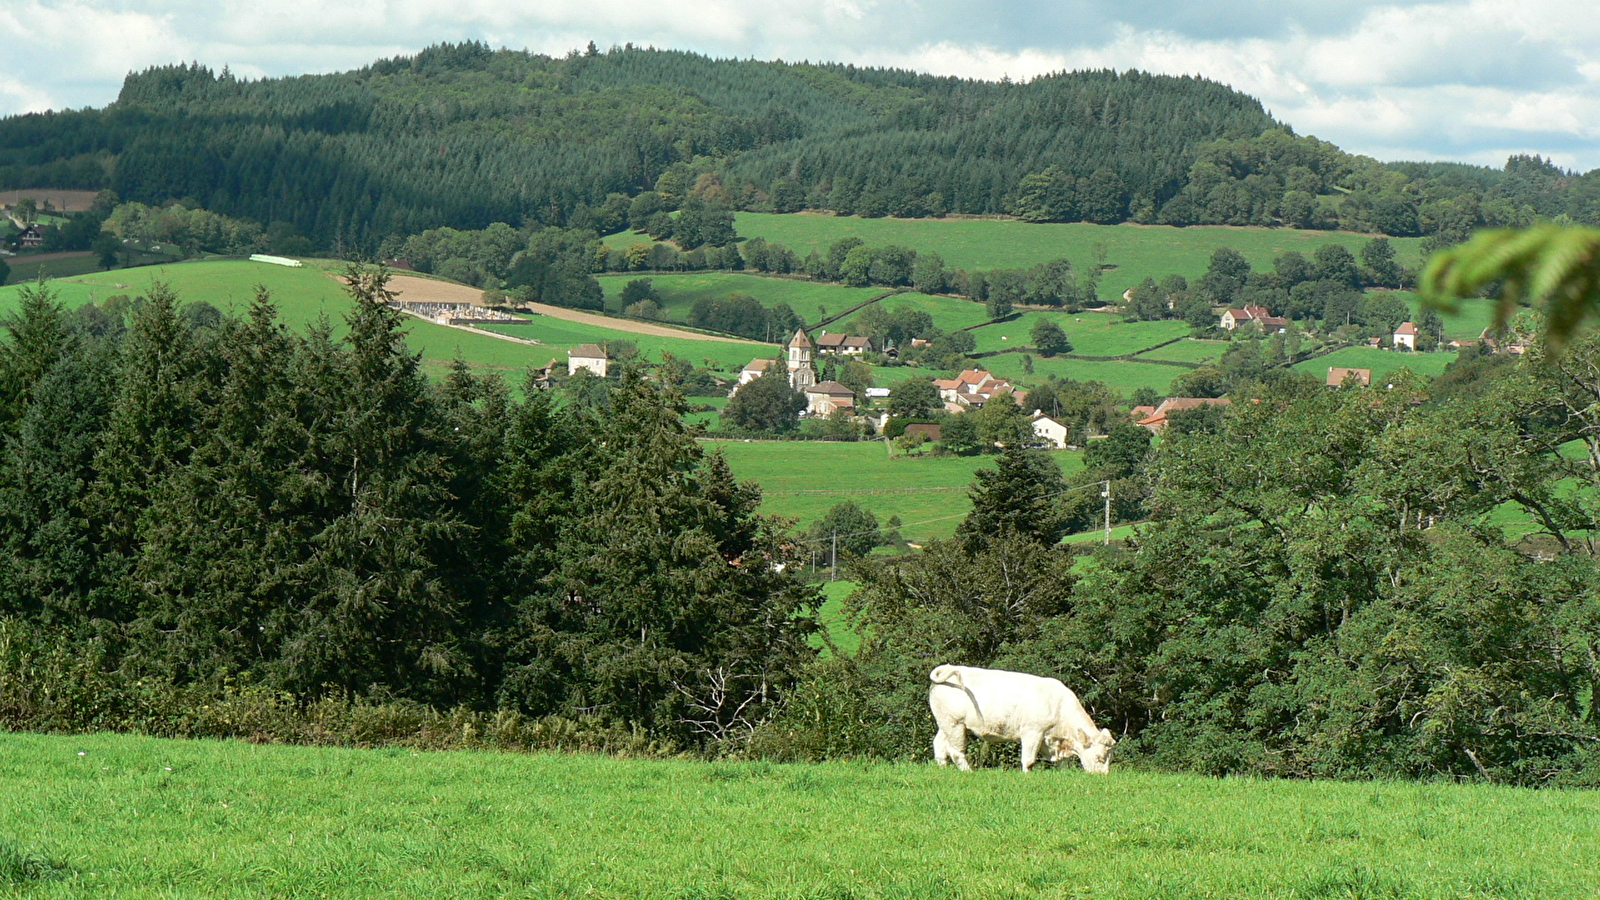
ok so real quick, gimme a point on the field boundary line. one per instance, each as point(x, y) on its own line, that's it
point(829, 320)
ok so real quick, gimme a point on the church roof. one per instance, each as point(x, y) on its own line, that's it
point(800, 339)
point(831, 388)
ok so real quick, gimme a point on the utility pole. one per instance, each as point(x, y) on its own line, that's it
point(835, 575)
point(1107, 494)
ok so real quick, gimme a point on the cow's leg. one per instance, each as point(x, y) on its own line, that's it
point(1030, 748)
point(941, 749)
point(955, 747)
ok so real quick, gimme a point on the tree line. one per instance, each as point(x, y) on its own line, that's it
point(207, 502)
point(1321, 590)
point(463, 136)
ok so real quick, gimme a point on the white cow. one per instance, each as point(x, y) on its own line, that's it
point(997, 705)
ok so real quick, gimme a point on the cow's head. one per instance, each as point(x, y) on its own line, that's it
point(1094, 752)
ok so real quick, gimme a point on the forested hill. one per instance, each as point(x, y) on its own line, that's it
point(464, 136)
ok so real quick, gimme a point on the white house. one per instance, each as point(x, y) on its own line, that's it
point(1049, 431)
point(587, 356)
point(843, 344)
point(755, 369)
point(1406, 336)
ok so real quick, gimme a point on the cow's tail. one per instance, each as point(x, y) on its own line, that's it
point(947, 675)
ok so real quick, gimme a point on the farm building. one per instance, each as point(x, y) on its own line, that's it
point(1405, 336)
point(973, 388)
point(1156, 419)
point(588, 356)
point(1049, 431)
point(753, 370)
point(843, 344)
point(822, 399)
point(1339, 376)
point(1257, 315)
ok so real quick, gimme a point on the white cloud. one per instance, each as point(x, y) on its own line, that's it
point(988, 63)
point(23, 98)
point(84, 40)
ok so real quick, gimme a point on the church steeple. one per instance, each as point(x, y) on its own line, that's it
point(801, 373)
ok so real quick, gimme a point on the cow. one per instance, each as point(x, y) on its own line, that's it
point(996, 705)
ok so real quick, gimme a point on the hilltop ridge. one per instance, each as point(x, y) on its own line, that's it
point(464, 136)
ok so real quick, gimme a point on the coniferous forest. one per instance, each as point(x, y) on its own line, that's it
point(463, 136)
point(216, 504)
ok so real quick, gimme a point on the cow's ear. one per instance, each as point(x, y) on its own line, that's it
point(1110, 739)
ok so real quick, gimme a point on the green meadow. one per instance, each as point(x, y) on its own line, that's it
point(1136, 251)
point(1466, 323)
point(949, 313)
point(804, 479)
point(1122, 376)
point(302, 295)
point(1091, 333)
point(306, 295)
point(811, 301)
point(1197, 352)
point(131, 817)
point(1381, 362)
point(831, 615)
point(555, 336)
point(25, 268)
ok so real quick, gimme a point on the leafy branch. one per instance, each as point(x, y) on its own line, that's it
point(1557, 265)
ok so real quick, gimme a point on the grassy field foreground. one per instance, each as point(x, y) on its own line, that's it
point(136, 817)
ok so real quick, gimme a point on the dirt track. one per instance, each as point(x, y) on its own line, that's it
point(426, 290)
point(60, 201)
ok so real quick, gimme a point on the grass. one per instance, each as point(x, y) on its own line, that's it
point(811, 301)
point(1092, 334)
point(1122, 376)
point(555, 336)
point(1191, 351)
point(26, 268)
point(711, 420)
point(1381, 362)
point(804, 479)
point(832, 617)
point(949, 313)
point(305, 295)
point(1137, 251)
point(1465, 324)
point(133, 817)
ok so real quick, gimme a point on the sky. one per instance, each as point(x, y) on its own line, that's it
point(1461, 80)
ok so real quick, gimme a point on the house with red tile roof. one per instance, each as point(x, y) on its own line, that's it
point(822, 399)
point(843, 344)
point(1253, 315)
point(1156, 419)
point(973, 388)
point(1405, 336)
point(1339, 375)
